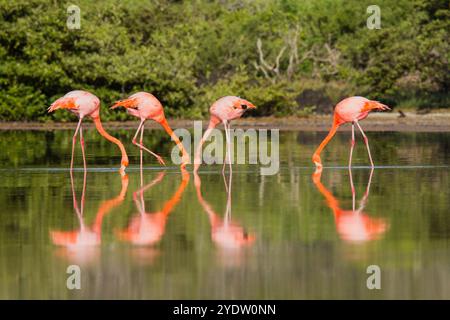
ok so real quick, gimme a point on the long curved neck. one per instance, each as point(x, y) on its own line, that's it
point(185, 155)
point(212, 124)
point(316, 155)
point(107, 136)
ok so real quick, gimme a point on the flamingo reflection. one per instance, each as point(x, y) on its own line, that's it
point(87, 236)
point(352, 225)
point(225, 232)
point(148, 228)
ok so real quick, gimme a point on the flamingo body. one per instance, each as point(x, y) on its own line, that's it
point(351, 108)
point(87, 104)
point(229, 108)
point(145, 106)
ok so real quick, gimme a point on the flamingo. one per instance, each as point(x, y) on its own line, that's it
point(145, 106)
point(352, 110)
point(352, 225)
point(223, 110)
point(82, 104)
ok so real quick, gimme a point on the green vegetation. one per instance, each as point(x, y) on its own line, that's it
point(189, 53)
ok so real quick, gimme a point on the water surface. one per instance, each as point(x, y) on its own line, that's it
point(286, 236)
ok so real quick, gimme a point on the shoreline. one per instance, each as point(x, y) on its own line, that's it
point(412, 122)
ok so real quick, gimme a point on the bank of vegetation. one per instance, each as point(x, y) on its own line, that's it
point(289, 57)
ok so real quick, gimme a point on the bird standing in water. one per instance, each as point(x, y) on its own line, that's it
point(223, 110)
point(145, 106)
point(83, 103)
point(352, 110)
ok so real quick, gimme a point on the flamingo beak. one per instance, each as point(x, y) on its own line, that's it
point(247, 105)
point(250, 105)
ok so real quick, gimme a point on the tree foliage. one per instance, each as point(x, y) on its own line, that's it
point(189, 53)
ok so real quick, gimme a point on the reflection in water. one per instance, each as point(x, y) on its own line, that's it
point(228, 235)
point(352, 225)
point(81, 243)
point(298, 254)
point(148, 228)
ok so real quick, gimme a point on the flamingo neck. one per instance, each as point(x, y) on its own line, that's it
point(185, 155)
point(107, 136)
point(316, 155)
point(212, 124)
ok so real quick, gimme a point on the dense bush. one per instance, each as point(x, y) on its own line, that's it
point(288, 56)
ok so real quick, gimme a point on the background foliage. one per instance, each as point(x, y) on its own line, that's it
point(189, 53)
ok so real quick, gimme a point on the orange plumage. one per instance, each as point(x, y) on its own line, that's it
point(63, 103)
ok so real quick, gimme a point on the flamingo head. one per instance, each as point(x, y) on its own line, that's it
point(243, 104)
point(375, 105)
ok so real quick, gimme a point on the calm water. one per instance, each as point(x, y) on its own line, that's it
point(289, 237)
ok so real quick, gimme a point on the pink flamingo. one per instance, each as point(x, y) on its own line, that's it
point(352, 225)
point(145, 106)
point(83, 103)
point(225, 233)
point(148, 228)
point(223, 110)
point(351, 110)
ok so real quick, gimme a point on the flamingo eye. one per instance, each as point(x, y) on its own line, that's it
point(243, 106)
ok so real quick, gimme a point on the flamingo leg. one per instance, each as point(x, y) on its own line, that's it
point(74, 141)
point(141, 141)
point(226, 147)
point(352, 186)
point(352, 145)
point(82, 147)
point(366, 141)
point(142, 147)
point(141, 155)
point(198, 153)
point(228, 150)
